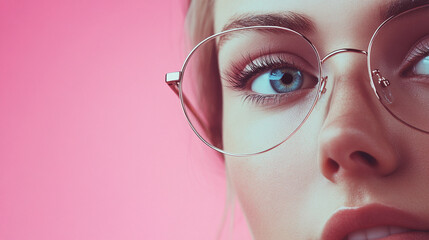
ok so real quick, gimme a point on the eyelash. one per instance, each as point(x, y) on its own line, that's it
point(239, 77)
point(420, 51)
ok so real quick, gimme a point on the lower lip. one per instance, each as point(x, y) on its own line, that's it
point(408, 236)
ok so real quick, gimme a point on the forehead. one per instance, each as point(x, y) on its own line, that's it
point(334, 22)
point(320, 12)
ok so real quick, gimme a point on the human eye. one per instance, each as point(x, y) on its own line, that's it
point(417, 61)
point(272, 79)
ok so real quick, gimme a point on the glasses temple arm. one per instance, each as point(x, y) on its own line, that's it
point(172, 80)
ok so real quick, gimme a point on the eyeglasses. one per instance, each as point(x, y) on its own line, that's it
point(247, 90)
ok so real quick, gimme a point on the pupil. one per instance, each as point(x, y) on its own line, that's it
point(287, 78)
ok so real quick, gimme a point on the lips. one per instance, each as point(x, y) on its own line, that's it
point(375, 221)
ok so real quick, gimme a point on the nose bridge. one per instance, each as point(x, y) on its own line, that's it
point(345, 93)
point(347, 68)
point(342, 50)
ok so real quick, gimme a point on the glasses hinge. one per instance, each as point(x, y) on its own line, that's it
point(381, 80)
point(173, 78)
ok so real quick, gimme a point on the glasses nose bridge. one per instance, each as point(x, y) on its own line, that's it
point(335, 52)
point(343, 50)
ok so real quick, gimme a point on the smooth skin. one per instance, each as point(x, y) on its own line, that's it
point(291, 191)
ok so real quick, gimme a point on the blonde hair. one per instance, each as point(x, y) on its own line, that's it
point(200, 25)
point(200, 20)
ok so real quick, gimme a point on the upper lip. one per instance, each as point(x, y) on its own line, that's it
point(351, 219)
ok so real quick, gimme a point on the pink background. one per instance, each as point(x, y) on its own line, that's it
point(93, 144)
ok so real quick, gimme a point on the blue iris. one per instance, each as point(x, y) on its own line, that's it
point(422, 67)
point(284, 80)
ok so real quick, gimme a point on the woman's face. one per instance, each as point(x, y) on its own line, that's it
point(352, 169)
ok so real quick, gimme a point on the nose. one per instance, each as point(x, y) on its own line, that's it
point(354, 141)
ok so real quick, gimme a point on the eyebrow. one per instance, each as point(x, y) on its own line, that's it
point(291, 20)
point(400, 6)
point(303, 24)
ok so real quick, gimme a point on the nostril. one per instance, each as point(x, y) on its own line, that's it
point(364, 157)
point(332, 165)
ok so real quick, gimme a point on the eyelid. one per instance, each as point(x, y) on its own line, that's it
point(293, 60)
point(416, 53)
point(242, 72)
point(275, 101)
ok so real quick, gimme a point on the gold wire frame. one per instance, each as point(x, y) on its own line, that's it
point(174, 79)
point(373, 73)
point(177, 84)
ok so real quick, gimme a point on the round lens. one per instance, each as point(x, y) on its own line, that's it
point(399, 65)
point(247, 90)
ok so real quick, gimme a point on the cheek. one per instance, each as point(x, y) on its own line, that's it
point(412, 177)
point(250, 127)
point(273, 187)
